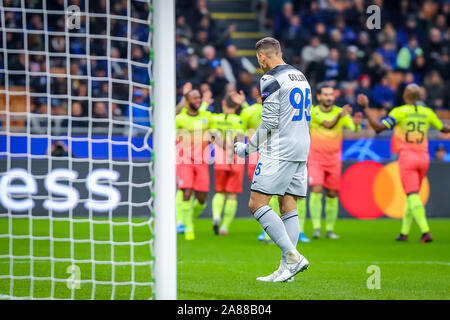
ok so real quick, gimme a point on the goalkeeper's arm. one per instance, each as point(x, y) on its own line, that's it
point(269, 122)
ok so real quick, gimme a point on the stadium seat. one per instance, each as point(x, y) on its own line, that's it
point(17, 102)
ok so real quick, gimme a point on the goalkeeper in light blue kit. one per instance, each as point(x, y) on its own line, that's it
point(282, 141)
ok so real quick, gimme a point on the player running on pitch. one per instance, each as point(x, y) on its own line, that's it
point(324, 161)
point(228, 169)
point(410, 122)
point(192, 168)
point(282, 141)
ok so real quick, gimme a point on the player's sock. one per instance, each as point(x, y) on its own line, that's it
point(274, 227)
point(274, 204)
point(179, 199)
point(315, 209)
point(217, 205)
point(198, 208)
point(290, 221)
point(187, 211)
point(418, 211)
point(331, 212)
point(407, 220)
point(229, 213)
point(301, 210)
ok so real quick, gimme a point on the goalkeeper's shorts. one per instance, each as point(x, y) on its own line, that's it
point(251, 166)
point(193, 176)
point(280, 177)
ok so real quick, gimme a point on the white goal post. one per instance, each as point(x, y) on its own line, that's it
point(87, 150)
point(164, 115)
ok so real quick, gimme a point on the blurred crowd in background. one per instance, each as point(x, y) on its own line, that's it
point(105, 80)
point(327, 39)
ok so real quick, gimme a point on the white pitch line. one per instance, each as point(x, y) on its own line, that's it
point(443, 263)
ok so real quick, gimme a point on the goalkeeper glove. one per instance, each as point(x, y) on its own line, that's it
point(241, 149)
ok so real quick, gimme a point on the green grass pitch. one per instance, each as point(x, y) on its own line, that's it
point(225, 267)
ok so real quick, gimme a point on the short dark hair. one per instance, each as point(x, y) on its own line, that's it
point(323, 85)
point(270, 45)
point(229, 101)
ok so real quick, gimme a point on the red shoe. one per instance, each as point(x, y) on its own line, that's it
point(426, 237)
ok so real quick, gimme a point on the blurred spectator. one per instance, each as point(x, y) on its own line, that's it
point(315, 51)
point(440, 153)
point(347, 95)
point(352, 66)
point(333, 70)
point(383, 94)
point(364, 87)
point(282, 21)
point(435, 89)
point(59, 149)
point(376, 68)
point(407, 53)
point(183, 28)
point(100, 112)
point(388, 35)
point(389, 55)
point(408, 31)
point(294, 39)
point(233, 65)
point(419, 68)
point(140, 110)
point(407, 78)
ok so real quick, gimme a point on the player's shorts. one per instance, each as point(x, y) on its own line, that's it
point(280, 177)
point(193, 176)
point(230, 180)
point(327, 175)
point(251, 165)
point(413, 168)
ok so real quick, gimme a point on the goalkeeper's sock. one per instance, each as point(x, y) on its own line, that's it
point(418, 211)
point(229, 213)
point(315, 209)
point(198, 208)
point(301, 211)
point(290, 221)
point(275, 205)
point(407, 220)
point(187, 211)
point(179, 199)
point(274, 227)
point(218, 202)
point(331, 212)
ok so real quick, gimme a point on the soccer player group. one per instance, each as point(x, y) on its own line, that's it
point(289, 144)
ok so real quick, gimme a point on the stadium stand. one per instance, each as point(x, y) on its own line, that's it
point(327, 39)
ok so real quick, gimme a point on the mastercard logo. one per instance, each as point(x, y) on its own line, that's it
point(369, 190)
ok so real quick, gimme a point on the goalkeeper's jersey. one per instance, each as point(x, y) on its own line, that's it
point(326, 144)
point(411, 125)
point(286, 96)
point(191, 135)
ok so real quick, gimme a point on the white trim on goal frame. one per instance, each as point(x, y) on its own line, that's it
point(164, 150)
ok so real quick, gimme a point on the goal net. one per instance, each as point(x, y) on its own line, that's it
point(78, 175)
